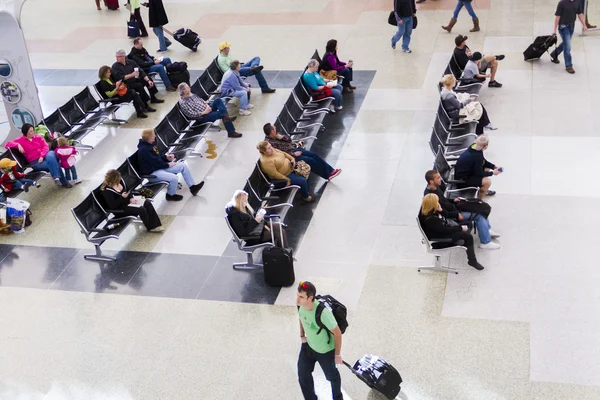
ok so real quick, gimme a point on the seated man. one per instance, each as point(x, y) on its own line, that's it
point(194, 107)
point(149, 63)
point(462, 55)
point(284, 143)
point(134, 77)
point(164, 168)
point(474, 169)
point(251, 68)
point(451, 210)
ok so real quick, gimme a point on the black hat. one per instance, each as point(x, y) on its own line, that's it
point(476, 56)
point(460, 39)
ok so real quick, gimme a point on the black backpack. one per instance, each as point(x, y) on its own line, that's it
point(338, 309)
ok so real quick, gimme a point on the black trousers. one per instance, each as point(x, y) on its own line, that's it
point(280, 241)
point(465, 239)
point(138, 17)
point(147, 214)
point(483, 122)
point(132, 95)
point(138, 85)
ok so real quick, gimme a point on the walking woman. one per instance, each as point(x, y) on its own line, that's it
point(459, 5)
point(157, 17)
point(404, 11)
point(135, 14)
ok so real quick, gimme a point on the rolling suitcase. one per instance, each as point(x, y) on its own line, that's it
point(378, 374)
point(278, 263)
point(112, 4)
point(540, 45)
point(186, 37)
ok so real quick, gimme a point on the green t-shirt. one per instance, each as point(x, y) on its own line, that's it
point(318, 342)
point(224, 62)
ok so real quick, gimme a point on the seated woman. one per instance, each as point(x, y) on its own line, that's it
point(279, 165)
point(436, 226)
point(38, 155)
point(319, 87)
point(194, 107)
point(116, 199)
point(233, 85)
point(118, 92)
point(246, 222)
point(331, 62)
point(452, 105)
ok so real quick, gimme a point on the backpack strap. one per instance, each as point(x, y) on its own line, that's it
point(318, 312)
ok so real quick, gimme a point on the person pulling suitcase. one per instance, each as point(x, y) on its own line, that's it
point(567, 11)
point(318, 344)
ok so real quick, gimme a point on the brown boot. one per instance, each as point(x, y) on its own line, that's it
point(450, 25)
point(475, 25)
point(588, 25)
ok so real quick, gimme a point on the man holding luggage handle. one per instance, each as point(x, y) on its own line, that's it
point(318, 344)
point(567, 12)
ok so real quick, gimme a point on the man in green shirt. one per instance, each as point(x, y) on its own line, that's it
point(251, 68)
point(322, 345)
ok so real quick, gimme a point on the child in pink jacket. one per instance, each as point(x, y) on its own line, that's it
point(66, 158)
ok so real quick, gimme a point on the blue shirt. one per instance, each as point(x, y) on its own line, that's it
point(313, 80)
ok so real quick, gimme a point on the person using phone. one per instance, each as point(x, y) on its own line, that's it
point(472, 168)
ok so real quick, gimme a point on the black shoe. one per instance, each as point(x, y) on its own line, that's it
point(269, 90)
point(37, 185)
point(67, 185)
point(150, 109)
point(175, 197)
point(257, 69)
point(156, 100)
point(495, 84)
point(475, 264)
point(171, 88)
point(234, 135)
point(227, 118)
point(500, 57)
point(141, 115)
point(26, 187)
point(554, 60)
point(196, 188)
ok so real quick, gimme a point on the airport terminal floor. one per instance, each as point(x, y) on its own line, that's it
point(171, 319)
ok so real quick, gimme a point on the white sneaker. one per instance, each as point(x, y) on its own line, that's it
point(490, 127)
point(332, 108)
point(76, 181)
point(57, 182)
point(250, 106)
point(339, 108)
point(489, 246)
point(494, 235)
point(244, 112)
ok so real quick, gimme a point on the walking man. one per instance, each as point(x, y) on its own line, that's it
point(321, 341)
point(567, 12)
point(404, 10)
point(459, 5)
point(158, 17)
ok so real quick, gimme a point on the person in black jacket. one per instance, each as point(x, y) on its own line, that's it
point(246, 222)
point(117, 199)
point(134, 77)
point(115, 92)
point(436, 226)
point(149, 63)
point(157, 16)
point(404, 10)
point(475, 170)
point(164, 168)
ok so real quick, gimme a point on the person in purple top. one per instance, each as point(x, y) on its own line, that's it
point(332, 62)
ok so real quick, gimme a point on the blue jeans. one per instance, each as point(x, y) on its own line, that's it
point(337, 95)
point(160, 68)
point(404, 31)
point(218, 111)
point(306, 365)
point(19, 183)
point(566, 33)
point(482, 224)
point(243, 95)
point(71, 172)
point(317, 164)
point(50, 164)
point(468, 6)
point(246, 70)
point(299, 181)
point(163, 42)
point(170, 175)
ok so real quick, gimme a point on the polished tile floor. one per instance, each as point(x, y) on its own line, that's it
point(172, 320)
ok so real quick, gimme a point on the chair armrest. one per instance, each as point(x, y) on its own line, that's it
point(445, 240)
point(455, 181)
point(271, 198)
point(246, 238)
point(148, 176)
point(279, 183)
point(175, 144)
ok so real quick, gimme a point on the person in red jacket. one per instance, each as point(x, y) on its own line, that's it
point(13, 179)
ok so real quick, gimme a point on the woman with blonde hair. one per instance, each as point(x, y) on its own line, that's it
point(437, 227)
point(279, 165)
point(453, 106)
point(246, 222)
point(117, 199)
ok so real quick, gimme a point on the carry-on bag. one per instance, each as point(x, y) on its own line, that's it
point(112, 4)
point(133, 28)
point(378, 374)
point(540, 45)
point(186, 37)
point(16, 214)
point(278, 263)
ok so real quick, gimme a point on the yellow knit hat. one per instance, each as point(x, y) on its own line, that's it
point(224, 45)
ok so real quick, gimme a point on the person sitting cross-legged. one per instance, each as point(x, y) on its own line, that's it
point(475, 170)
point(284, 143)
point(149, 63)
point(451, 210)
point(195, 108)
point(251, 68)
point(164, 168)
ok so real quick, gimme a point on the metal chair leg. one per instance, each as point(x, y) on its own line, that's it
point(249, 264)
point(99, 256)
point(438, 267)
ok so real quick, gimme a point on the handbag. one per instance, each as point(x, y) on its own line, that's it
point(330, 75)
point(415, 22)
point(133, 28)
point(321, 94)
point(302, 169)
point(392, 19)
point(122, 91)
point(475, 206)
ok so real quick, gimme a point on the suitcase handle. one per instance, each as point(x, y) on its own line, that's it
point(169, 32)
point(271, 224)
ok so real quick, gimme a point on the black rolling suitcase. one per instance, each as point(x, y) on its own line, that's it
point(378, 374)
point(278, 263)
point(186, 37)
point(540, 45)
